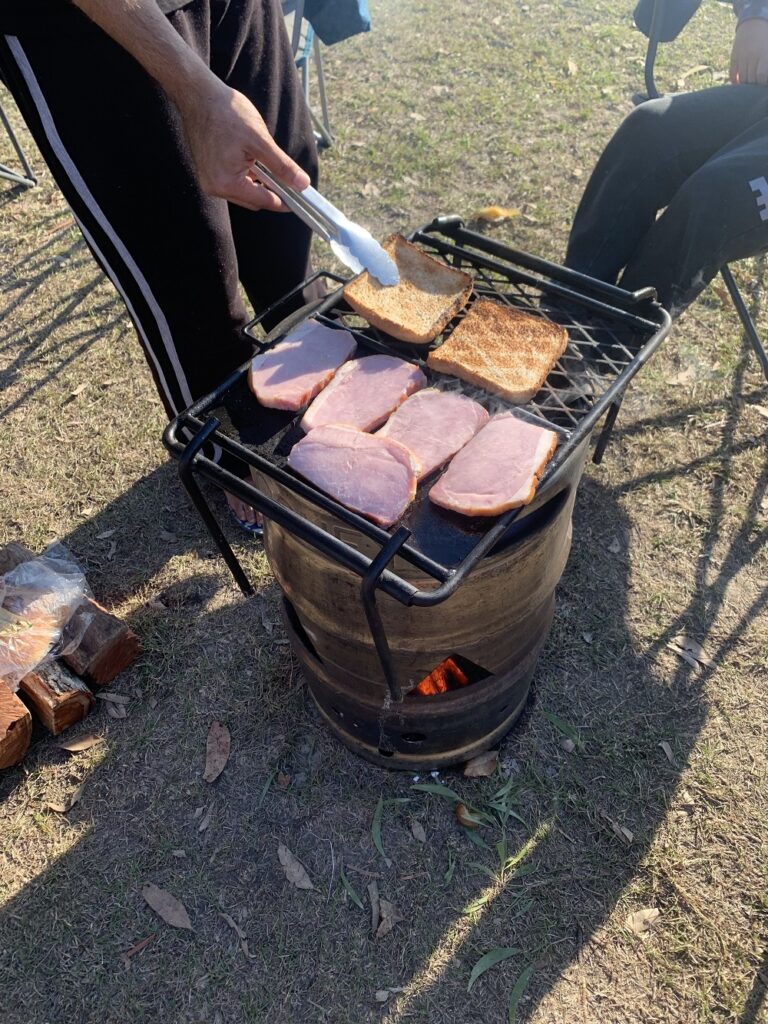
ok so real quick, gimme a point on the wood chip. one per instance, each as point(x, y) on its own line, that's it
point(217, 748)
point(294, 870)
point(128, 955)
point(171, 910)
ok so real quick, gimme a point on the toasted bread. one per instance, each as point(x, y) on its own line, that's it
point(418, 308)
point(502, 350)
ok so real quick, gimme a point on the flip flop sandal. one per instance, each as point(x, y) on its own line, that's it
point(254, 529)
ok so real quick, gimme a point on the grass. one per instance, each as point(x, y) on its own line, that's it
point(443, 108)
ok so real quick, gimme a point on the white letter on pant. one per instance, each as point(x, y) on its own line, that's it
point(760, 185)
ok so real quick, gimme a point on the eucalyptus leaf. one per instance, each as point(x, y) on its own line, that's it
point(488, 960)
point(351, 891)
point(517, 991)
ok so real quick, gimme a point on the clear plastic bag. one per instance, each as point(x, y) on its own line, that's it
point(37, 599)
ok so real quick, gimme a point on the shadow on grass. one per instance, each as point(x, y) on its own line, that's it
point(61, 936)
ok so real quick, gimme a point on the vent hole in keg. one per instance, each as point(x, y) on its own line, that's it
point(413, 737)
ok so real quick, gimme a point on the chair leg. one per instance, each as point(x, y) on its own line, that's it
point(326, 121)
point(27, 179)
point(745, 317)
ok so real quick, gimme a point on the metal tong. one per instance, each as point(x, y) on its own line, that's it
point(353, 245)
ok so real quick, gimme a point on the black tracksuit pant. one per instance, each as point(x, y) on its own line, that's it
point(700, 157)
point(114, 145)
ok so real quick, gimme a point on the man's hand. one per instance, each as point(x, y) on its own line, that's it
point(749, 57)
point(226, 134)
point(224, 130)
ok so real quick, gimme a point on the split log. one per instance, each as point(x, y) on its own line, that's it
point(12, 555)
point(57, 697)
point(106, 647)
point(15, 727)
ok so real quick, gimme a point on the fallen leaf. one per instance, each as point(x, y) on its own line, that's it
point(373, 896)
point(642, 921)
point(283, 780)
point(79, 389)
point(104, 534)
point(571, 68)
point(81, 743)
point(179, 854)
point(116, 711)
point(587, 638)
point(488, 960)
point(69, 802)
point(620, 831)
point(568, 746)
point(239, 933)
point(351, 891)
point(382, 995)
point(390, 915)
point(130, 953)
point(113, 698)
point(685, 644)
point(369, 190)
point(217, 749)
point(516, 993)
point(668, 751)
point(762, 410)
point(495, 214)
point(171, 910)
point(615, 546)
point(206, 818)
point(417, 831)
point(466, 817)
point(157, 604)
point(482, 766)
point(293, 868)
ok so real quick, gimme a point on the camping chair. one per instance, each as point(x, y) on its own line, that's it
point(27, 179)
point(663, 21)
point(306, 49)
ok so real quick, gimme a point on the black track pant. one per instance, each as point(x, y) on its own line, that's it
point(114, 145)
point(700, 157)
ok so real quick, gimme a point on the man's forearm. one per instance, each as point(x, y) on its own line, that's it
point(143, 30)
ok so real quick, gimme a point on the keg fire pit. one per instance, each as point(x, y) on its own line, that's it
point(419, 644)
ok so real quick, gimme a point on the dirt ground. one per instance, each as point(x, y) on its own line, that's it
point(660, 805)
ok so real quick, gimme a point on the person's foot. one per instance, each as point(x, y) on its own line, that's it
point(246, 517)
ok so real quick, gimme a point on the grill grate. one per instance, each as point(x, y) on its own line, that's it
point(611, 334)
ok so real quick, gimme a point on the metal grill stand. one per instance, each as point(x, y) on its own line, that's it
point(433, 553)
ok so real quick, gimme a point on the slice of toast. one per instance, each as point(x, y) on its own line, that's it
point(418, 308)
point(502, 350)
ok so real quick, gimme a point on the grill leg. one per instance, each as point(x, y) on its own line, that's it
point(368, 590)
point(605, 433)
point(186, 472)
point(746, 320)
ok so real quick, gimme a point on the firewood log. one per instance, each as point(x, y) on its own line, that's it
point(106, 647)
point(57, 697)
point(15, 727)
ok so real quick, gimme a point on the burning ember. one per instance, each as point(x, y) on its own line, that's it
point(447, 676)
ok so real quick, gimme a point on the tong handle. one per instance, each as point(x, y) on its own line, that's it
point(296, 202)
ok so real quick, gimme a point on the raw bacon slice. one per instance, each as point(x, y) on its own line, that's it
point(434, 425)
point(289, 375)
point(368, 474)
point(498, 470)
point(364, 392)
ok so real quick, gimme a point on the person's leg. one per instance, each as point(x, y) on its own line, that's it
point(251, 51)
point(660, 145)
point(719, 215)
point(114, 145)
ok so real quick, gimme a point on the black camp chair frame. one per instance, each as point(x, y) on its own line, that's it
point(725, 271)
point(28, 178)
